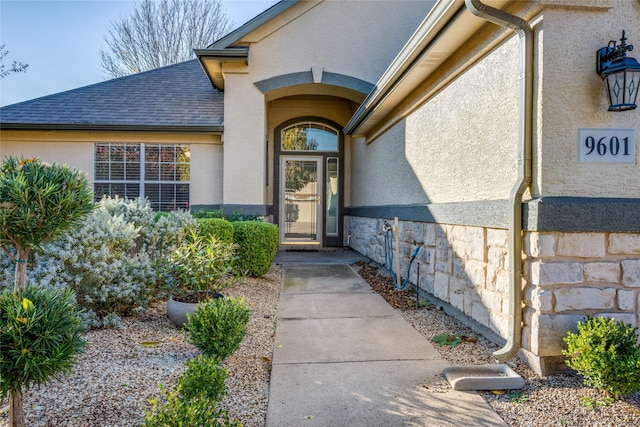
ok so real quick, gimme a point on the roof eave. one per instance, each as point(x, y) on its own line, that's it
point(438, 18)
point(214, 130)
point(447, 27)
point(211, 61)
point(237, 34)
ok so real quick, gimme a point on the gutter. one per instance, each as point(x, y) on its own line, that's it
point(525, 136)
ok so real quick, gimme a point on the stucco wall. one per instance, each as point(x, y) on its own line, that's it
point(459, 146)
point(355, 38)
point(245, 139)
point(76, 149)
point(574, 98)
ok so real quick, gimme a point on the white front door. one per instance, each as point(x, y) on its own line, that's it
point(300, 200)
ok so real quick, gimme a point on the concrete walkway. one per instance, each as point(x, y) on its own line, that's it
point(344, 357)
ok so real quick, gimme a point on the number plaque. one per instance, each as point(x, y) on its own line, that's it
point(606, 145)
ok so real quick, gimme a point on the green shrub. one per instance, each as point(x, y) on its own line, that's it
point(206, 213)
point(40, 335)
point(220, 228)
point(193, 402)
point(199, 264)
point(257, 246)
point(237, 215)
point(606, 353)
point(218, 326)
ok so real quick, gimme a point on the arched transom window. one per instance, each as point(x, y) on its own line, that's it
point(309, 137)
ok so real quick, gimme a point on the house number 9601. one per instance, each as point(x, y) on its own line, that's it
point(602, 148)
point(606, 145)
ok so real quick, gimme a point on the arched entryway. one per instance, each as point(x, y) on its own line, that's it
point(309, 182)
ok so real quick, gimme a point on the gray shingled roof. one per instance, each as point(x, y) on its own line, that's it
point(177, 96)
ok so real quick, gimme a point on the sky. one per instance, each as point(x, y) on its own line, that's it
point(61, 40)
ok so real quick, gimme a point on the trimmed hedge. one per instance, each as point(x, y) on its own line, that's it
point(220, 228)
point(257, 246)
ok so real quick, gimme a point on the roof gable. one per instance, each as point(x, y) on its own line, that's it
point(176, 97)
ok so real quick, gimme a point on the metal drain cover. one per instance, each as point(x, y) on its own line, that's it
point(483, 377)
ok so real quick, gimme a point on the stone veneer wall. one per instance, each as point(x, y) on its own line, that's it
point(566, 275)
point(464, 266)
point(572, 274)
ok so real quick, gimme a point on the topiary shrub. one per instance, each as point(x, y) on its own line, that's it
point(218, 326)
point(40, 335)
point(606, 353)
point(257, 246)
point(219, 228)
point(193, 402)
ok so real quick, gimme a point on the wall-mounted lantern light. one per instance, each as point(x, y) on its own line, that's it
point(620, 74)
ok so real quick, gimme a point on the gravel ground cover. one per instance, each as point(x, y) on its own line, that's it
point(545, 401)
point(122, 368)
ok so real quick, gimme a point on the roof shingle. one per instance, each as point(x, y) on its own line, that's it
point(176, 96)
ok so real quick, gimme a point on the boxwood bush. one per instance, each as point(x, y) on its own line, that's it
point(218, 227)
point(606, 353)
point(257, 246)
point(218, 326)
point(194, 400)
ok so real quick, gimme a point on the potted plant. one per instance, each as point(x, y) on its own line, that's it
point(196, 271)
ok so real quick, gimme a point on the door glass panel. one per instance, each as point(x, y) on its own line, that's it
point(301, 200)
point(331, 215)
point(309, 137)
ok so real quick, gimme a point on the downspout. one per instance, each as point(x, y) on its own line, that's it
point(525, 132)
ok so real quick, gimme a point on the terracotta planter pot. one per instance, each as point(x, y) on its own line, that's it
point(177, 311)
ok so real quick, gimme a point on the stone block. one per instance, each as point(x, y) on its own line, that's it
point(542, 299)
point(441, 286)
point(426, 283)
point(631, 273)
point(581, 298)
point(492, 300)
point(458, 285)
point(480, 314)
point(502, 282)
point(539, 245)
point(458, 267)
point(497, 238)
point(427, 256)
point(556, 273)
point(499, 323)
point(548, 330)
point(526, 338)
point(602, 272)
point(475, 239)
point(496, 257)
point(470, 297)
point(443, 249)
point(443, 267)
point(627, 299)
point(456, 299)
point(475, 272)
point(582, 245)
point(429, 234)
point(624, 243)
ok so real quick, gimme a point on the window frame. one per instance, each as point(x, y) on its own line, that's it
point(310, 124)
point(142, 182)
